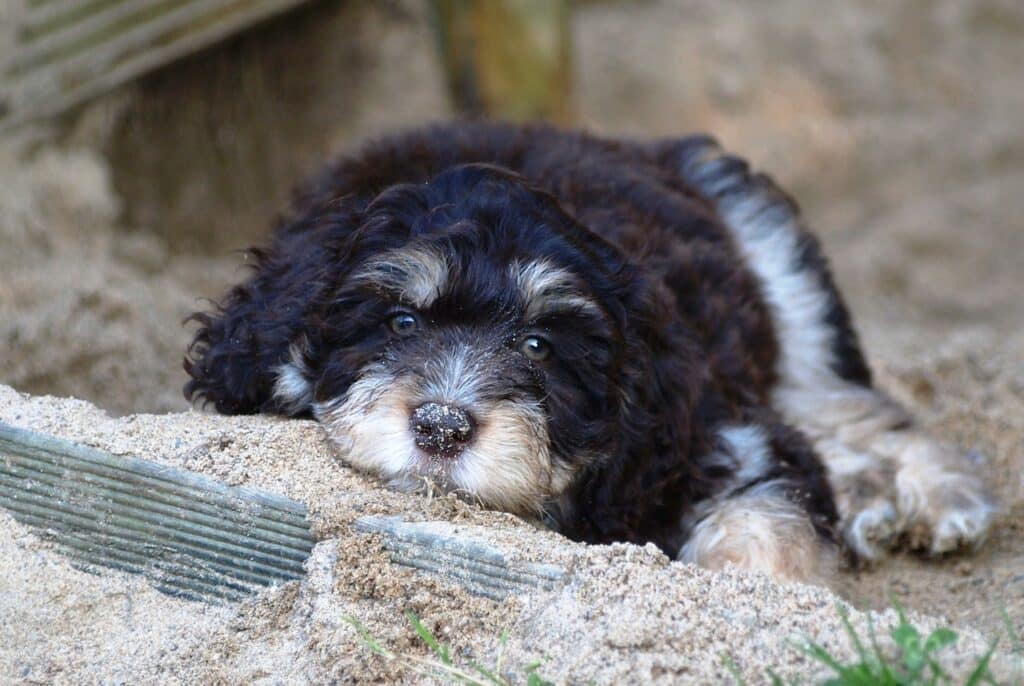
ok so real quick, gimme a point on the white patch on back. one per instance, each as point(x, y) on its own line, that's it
point(889, 478)
point(768, 238)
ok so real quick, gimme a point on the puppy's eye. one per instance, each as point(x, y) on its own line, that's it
point(404, 323)
point(535, 348)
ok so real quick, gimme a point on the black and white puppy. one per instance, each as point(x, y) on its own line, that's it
point(634, 341)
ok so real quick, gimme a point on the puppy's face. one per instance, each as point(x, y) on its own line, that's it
point(474, 340)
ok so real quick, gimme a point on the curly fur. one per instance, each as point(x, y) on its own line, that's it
point(666, 329)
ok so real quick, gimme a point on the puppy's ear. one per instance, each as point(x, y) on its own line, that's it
point(249, 353)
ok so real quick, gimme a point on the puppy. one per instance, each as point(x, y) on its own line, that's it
point(635, 341)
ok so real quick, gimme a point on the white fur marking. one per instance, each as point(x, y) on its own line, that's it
point(748, 444)
point(292, 388)
point(546, 287)
point(768, 239)
point(454, 375)
point(370, 425)
point(418, 275)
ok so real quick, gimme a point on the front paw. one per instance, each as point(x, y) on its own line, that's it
point(946, 511)
point(870, 532)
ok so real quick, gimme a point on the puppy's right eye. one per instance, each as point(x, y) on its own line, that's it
point(403, 324)
point(535, 348)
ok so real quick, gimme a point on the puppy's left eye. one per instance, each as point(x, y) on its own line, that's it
point(404, 323)
point(535, 348)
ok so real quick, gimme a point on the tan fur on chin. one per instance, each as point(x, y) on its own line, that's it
point(507, 467)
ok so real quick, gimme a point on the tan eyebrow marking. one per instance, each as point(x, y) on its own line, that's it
point(419, 276)
point(546, 288)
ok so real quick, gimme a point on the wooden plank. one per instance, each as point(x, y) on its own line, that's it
point(65, 55)
point(269, 540)
point(448, 551)
point(55, 16)
point(151, 474)
point(38, 47)
point(190, 535)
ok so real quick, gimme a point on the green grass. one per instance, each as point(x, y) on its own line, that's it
point(442, 666)
point(918, 661)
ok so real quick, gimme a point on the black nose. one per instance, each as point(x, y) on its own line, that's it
point(441, 429)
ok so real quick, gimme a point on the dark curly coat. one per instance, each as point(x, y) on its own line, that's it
point(611, 334)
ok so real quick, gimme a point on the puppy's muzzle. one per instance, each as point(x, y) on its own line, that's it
point(441, 430)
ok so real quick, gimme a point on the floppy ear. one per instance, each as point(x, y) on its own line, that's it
point(247, 355)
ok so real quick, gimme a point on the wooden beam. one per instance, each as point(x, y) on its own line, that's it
point(448, 551)
point(68, 51)
point(197, 538)
point(507, 59)
point(190, 535)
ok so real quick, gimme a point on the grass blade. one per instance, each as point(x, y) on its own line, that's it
point(733, 669)
point(424, 633)
point(367, 638)
point(495, 679)
point(844, 617)
point(980, 672)
point(501, 650)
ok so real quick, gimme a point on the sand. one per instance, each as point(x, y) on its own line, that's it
point(86, 310)
point(624, 613)
point(898, 128)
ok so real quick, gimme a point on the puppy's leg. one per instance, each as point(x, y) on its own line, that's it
point(761, 530)
point(773, 512)
point(889, 477)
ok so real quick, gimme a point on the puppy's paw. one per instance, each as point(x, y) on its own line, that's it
point(946, 510)
point(865, 493)
point(904, 488)
point(944, 505)
point(870, 532)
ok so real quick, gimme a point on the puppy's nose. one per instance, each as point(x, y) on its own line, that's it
point(441, 429)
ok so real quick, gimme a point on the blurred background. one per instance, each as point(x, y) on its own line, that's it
point(896, 124)
point(143, 143)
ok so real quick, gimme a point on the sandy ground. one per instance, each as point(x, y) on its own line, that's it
point(896, 125)
point(625, 614)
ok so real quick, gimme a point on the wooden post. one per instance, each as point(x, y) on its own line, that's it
point(507, 59)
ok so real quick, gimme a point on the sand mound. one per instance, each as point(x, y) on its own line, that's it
point(623, 613)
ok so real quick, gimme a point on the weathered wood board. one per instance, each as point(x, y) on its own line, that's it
point(197, 538)
point(192, 536)
point(58, 53)
point(445, 549)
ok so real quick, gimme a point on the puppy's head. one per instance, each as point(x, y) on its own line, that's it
point(466, 331)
